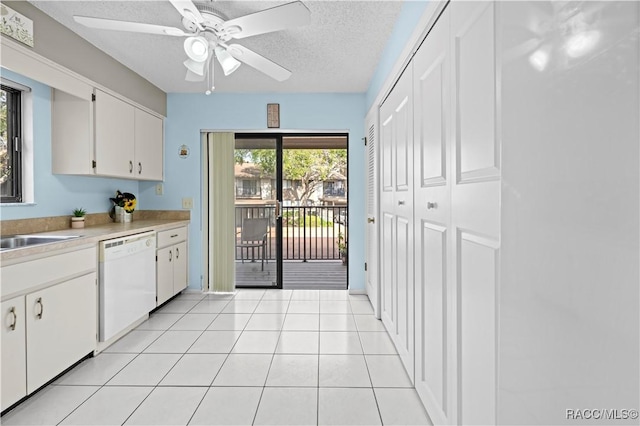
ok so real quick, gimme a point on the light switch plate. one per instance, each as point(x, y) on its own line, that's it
point(159, 189)
point(187, 203)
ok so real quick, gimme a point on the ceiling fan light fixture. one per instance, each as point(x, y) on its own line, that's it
point(197, 48)
point(195, 67)
point(228, 63)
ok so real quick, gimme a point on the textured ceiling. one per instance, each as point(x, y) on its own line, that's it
point(337, 52)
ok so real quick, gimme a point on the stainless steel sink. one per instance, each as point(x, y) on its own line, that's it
point(19, 241)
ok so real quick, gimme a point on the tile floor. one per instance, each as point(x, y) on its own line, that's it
point(274, 357)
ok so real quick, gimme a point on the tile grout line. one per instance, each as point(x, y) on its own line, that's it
point(375, 398)
point(264, 386)
point(119, 371)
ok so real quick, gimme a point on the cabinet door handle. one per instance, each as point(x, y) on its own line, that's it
point(130, 166)
point(170, 255)
point(174, 235)
point(39, 302)
point(139, 168)
point(177, 253)
point(12, 311)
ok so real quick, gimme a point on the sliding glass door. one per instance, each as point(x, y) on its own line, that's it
point(257, 217)
point(291, 211)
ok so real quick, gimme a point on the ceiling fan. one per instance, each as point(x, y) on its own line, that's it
point(207, 32)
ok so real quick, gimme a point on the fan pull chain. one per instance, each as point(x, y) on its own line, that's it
point(210, 77)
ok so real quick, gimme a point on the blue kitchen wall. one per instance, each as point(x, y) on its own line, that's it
point(188, 114)
point(410, 15)
point(58, 195)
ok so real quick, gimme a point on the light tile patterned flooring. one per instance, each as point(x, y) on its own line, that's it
point(262, 357)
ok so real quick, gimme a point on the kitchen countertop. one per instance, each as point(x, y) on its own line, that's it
point(88, 235)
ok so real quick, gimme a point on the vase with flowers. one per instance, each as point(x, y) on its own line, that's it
point(124, 203)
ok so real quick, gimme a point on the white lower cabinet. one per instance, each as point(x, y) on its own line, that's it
point(14, 351)
point(49, 320)
point(171, 263)
point(61, 328)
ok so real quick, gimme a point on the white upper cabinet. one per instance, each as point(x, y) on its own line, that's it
point(106, 137)
point(148, 146)
point(114, 131)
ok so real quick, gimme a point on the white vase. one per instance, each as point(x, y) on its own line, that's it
point(126, 217)
point(118, 214)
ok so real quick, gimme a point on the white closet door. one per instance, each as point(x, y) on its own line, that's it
point(371, 196)
point(475, 194)
point(435, 294)
point(397, 218)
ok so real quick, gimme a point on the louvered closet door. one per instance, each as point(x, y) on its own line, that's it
point(432, 173)
point(476, 206)
point(396, 116)
point(371, 234)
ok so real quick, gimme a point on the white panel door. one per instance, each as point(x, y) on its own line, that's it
point(396, 115)
point(475, 192)
point(371, 201)
point(434, 333)
point(114, 133)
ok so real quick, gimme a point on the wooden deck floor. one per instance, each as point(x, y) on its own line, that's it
point(323, 275)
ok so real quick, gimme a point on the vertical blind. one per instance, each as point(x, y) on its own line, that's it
point(221, 199)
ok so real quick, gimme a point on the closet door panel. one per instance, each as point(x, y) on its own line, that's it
point(477, 277)
point(397, 210)
point(404, 320)
point(403, 137)
point(476, 136)
point(434, 330)
point(475, 195)
point(387, 304)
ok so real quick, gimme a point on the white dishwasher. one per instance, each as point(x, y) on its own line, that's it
point(127, 281)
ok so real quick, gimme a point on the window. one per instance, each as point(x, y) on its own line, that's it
point(249, 188)
point(10, 145)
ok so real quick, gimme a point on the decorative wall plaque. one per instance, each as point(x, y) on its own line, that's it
point(273, 115)
point(16, 25)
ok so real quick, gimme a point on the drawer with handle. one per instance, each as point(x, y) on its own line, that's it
point(171, 236)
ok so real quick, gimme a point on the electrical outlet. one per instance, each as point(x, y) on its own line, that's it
point(187, 203)
point(159, 189)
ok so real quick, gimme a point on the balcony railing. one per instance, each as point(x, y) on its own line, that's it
point(308, 232)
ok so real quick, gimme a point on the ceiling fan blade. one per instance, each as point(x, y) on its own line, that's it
point(266, 21)
point(259, 62)
point(136, 27)
point(188, 10)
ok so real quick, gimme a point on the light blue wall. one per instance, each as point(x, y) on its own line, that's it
point(409, 17)
point(188, 114)
point(58, 195)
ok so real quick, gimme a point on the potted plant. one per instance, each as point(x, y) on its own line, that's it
point(124, 203)
point(77, 220)
point(342, 247)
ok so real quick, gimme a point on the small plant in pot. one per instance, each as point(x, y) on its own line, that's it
point(77, 220)
point(342, 248)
